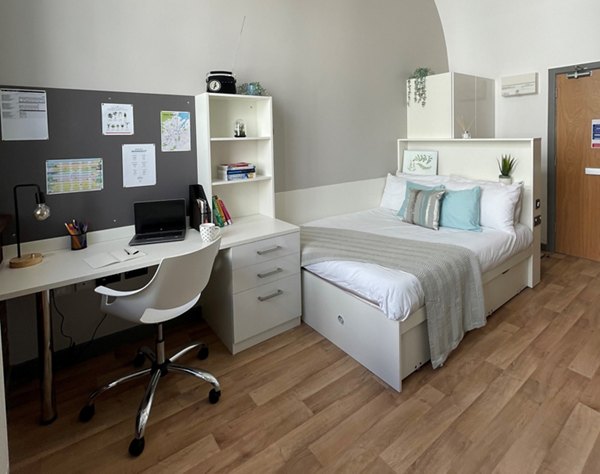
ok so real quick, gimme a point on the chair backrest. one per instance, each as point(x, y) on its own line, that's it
point(182, 278)
point(175, 287)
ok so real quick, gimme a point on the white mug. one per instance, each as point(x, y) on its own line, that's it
point(209, 232)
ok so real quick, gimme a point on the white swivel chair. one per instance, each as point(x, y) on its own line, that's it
point(175, 288)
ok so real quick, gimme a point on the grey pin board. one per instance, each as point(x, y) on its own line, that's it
point(75, 132)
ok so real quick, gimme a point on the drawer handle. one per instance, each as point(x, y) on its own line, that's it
point(269, 250)
point(268, 274)
point(272, 295)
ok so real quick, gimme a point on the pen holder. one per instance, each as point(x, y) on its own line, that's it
point(78, 241)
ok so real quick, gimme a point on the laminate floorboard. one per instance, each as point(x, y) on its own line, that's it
point(521, 395)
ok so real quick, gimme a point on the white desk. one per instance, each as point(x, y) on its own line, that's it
point(62, 266)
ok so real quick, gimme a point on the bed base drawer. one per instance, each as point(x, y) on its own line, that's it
point(363, 331)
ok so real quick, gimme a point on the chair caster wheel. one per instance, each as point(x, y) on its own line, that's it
point(87, 413)
point(139, 359)
point(213, 396)
point(136, 447)
point(203, 352)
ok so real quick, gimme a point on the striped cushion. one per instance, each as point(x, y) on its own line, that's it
point(423, 208)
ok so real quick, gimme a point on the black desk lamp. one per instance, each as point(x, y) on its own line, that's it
point(41, 213)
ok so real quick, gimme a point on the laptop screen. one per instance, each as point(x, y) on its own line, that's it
point(159, 216)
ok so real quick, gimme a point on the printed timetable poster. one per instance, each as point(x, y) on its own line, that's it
point(74, 175)
point(23, 114)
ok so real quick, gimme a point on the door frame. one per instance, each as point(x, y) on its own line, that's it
point(551, 162)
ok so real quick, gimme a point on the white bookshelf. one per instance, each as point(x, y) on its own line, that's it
point(216, 116)
point(254, 291)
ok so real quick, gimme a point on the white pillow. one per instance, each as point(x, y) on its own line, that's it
point(426, 179)
point(393, 193)
point(499, 202)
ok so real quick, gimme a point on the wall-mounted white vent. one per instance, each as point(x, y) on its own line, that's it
point(522, 84)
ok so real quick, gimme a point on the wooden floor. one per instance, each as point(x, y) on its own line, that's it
point(520, 395)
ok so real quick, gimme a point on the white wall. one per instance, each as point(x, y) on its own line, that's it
point(503, 38)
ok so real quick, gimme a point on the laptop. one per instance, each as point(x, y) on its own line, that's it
point(158, 221)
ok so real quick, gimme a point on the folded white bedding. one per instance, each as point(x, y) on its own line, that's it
point(398, 293)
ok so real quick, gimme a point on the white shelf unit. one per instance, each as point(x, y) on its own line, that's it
point(453, 100)
point(216, 116)
point(254, 290)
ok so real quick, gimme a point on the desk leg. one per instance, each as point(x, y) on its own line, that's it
point(45, 348)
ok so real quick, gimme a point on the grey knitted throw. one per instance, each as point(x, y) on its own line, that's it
point(449, 274)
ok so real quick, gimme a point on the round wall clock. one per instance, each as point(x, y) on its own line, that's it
point(222, 82)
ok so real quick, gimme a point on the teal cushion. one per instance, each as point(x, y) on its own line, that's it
point(461, 209)
point(418, 187)
point(423, 208)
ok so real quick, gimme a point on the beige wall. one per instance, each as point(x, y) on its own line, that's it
point(336, 68)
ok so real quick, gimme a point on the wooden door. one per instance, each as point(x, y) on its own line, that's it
point(577, 193)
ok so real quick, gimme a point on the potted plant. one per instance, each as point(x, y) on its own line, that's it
point(506, 165)
point(420, 85)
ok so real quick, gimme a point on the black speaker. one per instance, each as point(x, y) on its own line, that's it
point(199, 208)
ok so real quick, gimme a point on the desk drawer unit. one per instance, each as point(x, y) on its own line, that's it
point(266, 288)
point(255, 291)
point(265, 307)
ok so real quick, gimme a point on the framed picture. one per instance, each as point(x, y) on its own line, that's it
point(419, 162)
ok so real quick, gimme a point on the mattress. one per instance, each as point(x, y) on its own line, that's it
point(398, 293)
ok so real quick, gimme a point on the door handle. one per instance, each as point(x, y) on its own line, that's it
point(594, 171)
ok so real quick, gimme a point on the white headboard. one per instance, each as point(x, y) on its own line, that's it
point(478, 159)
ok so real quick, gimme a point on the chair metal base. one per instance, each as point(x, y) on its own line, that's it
point(160, 367)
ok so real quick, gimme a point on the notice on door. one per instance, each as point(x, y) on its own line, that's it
point(596, 133)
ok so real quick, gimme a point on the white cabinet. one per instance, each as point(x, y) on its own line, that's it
point(454, 101)
point(216, 116)
point(254, 290)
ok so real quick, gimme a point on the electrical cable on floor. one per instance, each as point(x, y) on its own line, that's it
point(62, 320)
point(89, 343)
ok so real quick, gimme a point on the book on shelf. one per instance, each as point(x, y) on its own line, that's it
point(221, 216)
point(235, 171)
point(241, 165)
point(224, 210)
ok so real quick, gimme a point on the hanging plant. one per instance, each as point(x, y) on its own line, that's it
point(420, 85)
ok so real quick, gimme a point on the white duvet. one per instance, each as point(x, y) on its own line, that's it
point(398, 293)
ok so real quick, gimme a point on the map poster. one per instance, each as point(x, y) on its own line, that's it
point(117, 119)
point(74, 175)
point(175, 134)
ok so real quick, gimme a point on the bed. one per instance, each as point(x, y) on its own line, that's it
point(381, 321)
